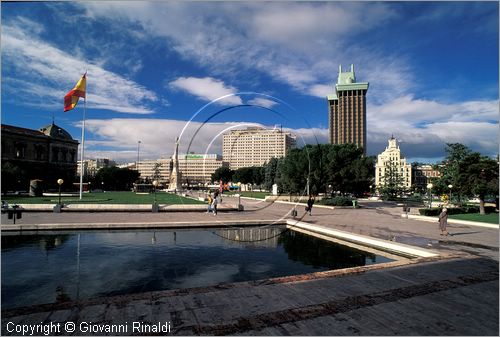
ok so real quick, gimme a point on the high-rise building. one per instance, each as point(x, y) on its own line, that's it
point(347, 110)
point(255, 146)
point(391, 166)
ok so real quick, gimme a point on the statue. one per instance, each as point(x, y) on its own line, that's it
point(175, 175)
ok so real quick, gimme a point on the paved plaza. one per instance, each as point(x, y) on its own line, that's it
point(453, 294)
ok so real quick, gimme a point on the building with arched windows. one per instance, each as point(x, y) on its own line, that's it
point(46, 154)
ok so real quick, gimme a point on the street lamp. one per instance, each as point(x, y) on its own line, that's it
point(155, 206)
point(155, 183)
point(60, 182)
point(102, 184)
point(429, 189)
point(450, 186)
point(137, 163)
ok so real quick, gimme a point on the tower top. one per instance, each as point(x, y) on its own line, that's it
point(347, 77)
point(393, 143)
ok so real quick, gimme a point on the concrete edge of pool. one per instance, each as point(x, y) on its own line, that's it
point(20, 228)
point(365, 241)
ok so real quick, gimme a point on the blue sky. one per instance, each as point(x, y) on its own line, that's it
point(154, 66)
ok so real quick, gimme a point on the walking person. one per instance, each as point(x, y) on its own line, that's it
point(209, 201)
point(443, 221)
point(215, 201)
point(310, 203)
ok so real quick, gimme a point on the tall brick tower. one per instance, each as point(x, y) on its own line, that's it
point(347, 110)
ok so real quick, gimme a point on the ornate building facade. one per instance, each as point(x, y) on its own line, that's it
point(46, 154)
point(392, 166)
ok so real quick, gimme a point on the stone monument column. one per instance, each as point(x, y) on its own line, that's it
point(175, 175)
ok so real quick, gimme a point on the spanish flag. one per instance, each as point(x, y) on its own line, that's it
point(71, 98)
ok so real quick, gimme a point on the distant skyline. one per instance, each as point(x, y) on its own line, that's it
point(151, 66)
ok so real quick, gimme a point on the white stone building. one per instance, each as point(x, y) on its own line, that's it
point(255, 146)
point(391, 159)
point(146, 169)
point(198, 168)
point(91, 166)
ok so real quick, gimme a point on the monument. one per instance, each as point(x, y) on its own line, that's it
point(175, 175)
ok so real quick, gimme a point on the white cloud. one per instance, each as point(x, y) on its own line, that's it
point(266, 103)
point(321, 90)
point(407, 110)
point(208, 89)
point(425, 126)
point(300, 44)
point(29, 58)
point(117, 138)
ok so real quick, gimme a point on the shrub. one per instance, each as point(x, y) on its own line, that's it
point(337, 201)
point(429, 211)
point(455, 210)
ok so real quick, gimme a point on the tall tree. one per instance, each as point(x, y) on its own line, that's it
point(450, 171)
point(223, 173)
point(116, 179)
point(270, 170)
point(392, 181)
point(479, 177)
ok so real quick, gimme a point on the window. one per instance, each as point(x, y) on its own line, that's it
point(20, 150)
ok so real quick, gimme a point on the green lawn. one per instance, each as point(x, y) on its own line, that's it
point(105, 198)
point(250, 194)
point(489, 218)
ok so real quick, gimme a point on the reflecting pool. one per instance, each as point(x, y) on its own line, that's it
point(62, 266)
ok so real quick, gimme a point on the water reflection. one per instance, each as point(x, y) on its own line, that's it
point(60, 267)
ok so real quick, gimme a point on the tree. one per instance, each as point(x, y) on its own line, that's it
point(243, 175)
point(470, 174)
point(456, 153)
point(348, 171)
point(342, 166)
point(270, 170)
point(116, 179)
point(223, 173)
point(479, 176)
point(392, 181)
point(294, 171)
point(156, 171)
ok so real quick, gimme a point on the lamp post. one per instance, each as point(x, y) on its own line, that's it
point(450, 186)
point(429, 189)
point(102, 184)
point(137, 163)
point(60, 182)
point(155, 206)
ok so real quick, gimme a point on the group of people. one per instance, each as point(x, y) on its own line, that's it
point(213, 200)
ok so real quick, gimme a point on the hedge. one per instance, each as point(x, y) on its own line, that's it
point(455, 210)
point(337, 201)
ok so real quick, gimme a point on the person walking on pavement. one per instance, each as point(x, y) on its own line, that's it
point(310, 203)
point(215, 202)
point(443, 221)
point(209, 201)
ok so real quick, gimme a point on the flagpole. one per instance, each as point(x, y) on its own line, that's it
point(83, 144)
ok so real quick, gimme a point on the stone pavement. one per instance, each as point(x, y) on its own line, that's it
point(456, 294)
